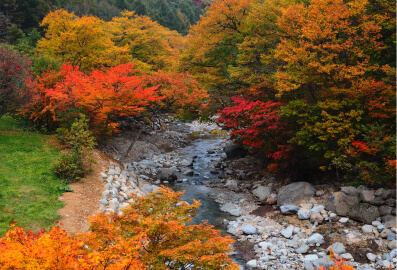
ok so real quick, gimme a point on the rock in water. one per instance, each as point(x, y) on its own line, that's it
point(233, 151)
point(166, 174)
point(295, 193)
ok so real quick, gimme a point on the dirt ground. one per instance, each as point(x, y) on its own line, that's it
point(83, 202)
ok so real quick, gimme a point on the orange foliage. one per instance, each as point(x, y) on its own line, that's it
point(181, 91)
point(102, 95)
point(325, 46)
point(151, 234)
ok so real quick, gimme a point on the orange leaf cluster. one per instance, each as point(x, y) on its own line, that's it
point(151, 234)
point(102, 95)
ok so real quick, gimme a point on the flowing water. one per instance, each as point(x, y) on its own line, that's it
point(204, 149)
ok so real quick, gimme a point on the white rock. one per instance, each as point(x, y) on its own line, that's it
point(347, 256)
point(304, 213)
point(287, 233)
point(252, 264)
point(310, 257)
point(249, 229)
point(315, 239)
point(344, 220)
point(372, 257)
point(368, 228)
point(318, 208)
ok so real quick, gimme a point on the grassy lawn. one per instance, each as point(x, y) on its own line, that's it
point(29, 189)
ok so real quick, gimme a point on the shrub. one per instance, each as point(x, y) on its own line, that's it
point(70, 167)
point(79, 138)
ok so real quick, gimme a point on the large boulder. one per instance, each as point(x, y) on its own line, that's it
point(364, 212)
point(262, 193)
point(166, 174)
point(341, 203)
point(295, 193)
point(233, 151)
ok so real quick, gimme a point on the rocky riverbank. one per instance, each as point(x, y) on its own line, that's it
point(277, 225)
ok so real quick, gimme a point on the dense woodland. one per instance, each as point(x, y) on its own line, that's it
point(307, 85)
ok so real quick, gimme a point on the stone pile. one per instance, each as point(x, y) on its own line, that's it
point(118, 187)
point(365, 205)
point(290, 247)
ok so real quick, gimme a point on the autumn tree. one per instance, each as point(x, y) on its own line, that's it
point(322, 62)
point(150, 234)
point(79, 41)
point(42, 109)
point(147, 41)
point(15, 78)
point(101, 94)
point(212, 46)
point(327, 49)
point(181, 92)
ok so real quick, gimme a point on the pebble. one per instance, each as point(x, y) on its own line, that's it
point(372, 257)
point(391, 236)
point(381, 227)
point(338, 248)
point(315, 239)
point(287, 233)
point(344, 220)
point(289, 209)
point(318, 209)
point(376, 223)
point(347, 256)
point(249, 229)
point(368, 228)
point(302, 249)
point(311, 257)
point(392, 244)
point(252, 264)
point(304, 213)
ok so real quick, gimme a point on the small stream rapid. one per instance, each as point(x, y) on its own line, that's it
point(204, 149)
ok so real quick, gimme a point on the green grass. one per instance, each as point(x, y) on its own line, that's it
point(29, 189)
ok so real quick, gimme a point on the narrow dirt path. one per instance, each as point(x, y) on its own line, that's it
point(83, 202)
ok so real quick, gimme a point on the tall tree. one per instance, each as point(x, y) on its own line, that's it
point(79, 41)
point(15, 77)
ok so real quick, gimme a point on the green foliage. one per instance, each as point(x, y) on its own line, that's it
point(14, 34)
point(79, 137)
point(27, 44)
point(69, 167)
point(42, 64)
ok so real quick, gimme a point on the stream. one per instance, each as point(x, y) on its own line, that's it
point(203, 149)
